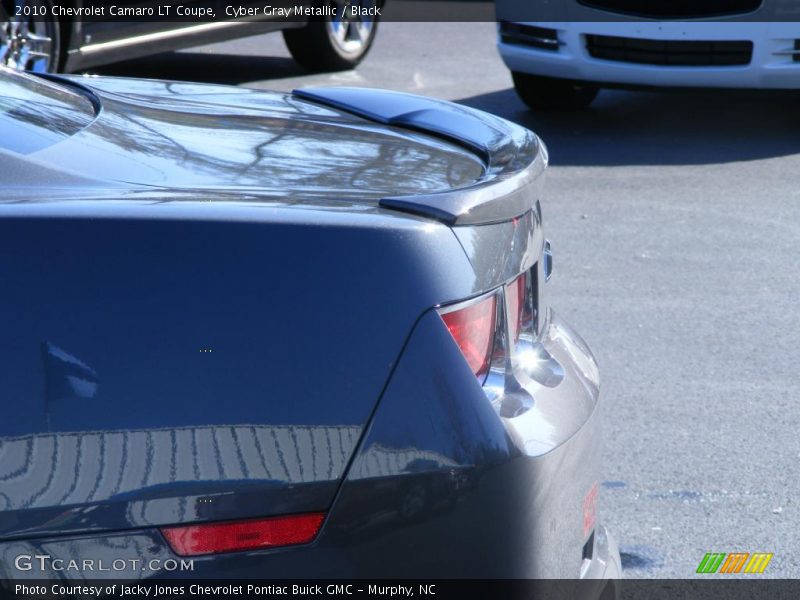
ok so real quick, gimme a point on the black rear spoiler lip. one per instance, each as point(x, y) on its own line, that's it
point(515, 157)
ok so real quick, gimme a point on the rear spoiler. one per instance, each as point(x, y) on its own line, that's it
point(515, 157)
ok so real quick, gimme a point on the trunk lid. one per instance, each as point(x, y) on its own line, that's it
point(202, 137)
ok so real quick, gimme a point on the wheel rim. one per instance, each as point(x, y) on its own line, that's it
point(351, 35)
point(26, 43)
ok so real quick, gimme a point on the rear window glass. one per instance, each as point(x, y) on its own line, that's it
point(35, 113)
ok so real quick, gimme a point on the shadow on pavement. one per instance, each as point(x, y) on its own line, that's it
point(204, 67)
point(661, 128)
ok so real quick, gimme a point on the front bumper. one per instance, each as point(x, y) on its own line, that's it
point(771, 66)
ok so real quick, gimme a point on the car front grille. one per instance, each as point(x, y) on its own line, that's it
point(529, 35)
point(675, 9)
point(670, 52)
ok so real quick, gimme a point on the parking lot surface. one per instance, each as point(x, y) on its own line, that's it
point(675, 223)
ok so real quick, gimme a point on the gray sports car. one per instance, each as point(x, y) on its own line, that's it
point(284, 335)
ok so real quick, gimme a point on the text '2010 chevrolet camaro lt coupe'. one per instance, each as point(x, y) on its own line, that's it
point(284, 335)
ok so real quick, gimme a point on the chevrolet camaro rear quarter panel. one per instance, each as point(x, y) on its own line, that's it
point(298, 335)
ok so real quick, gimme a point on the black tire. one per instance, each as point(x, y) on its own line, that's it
point(549, 93)
point(315, 46)
point(42, 25)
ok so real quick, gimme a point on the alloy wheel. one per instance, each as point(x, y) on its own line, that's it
point(350, 35)
point(27, 43)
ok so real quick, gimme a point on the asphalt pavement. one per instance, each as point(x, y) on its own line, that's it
point(675, 222)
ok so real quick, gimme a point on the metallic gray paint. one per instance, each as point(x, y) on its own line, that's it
point(441, 486)
point(203, 137)
point(322, 310)
point(137, 299)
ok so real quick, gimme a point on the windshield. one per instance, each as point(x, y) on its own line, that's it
point(35, 113)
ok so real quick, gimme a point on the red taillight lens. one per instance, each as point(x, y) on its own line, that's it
point(472, 327)
point(214, 538)
point(515, 301)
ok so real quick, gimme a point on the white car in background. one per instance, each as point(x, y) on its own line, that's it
point(563, 64)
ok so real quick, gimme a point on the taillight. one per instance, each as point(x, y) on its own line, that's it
point(473, 328)
point(503, 334)
point(233, 536)
point(498, 334)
